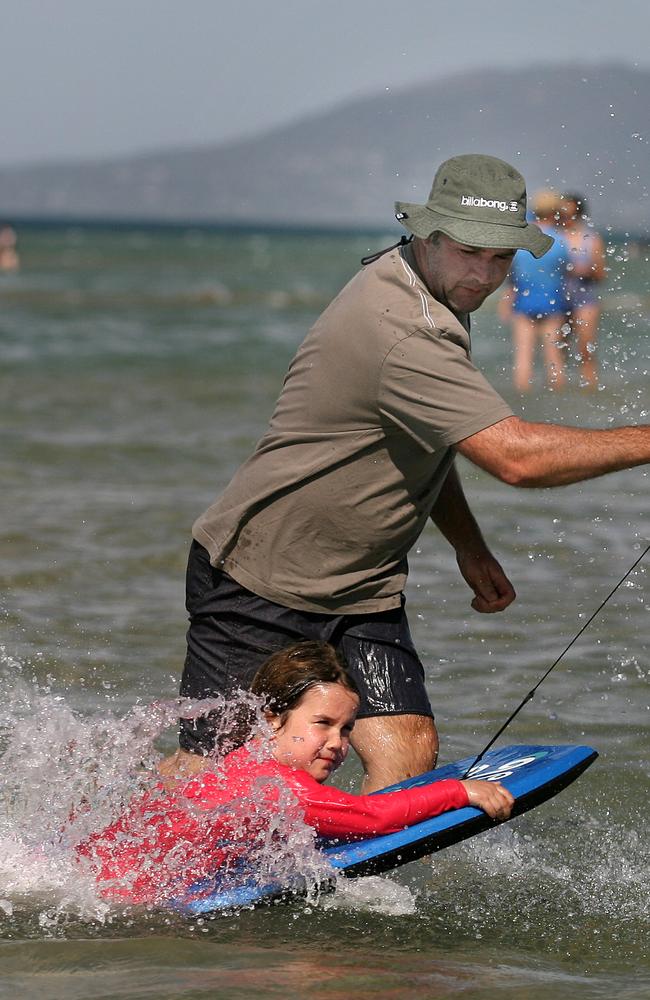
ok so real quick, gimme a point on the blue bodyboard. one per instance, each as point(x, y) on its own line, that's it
point(532, 774)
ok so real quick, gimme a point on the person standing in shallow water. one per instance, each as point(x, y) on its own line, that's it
point(584, 282)
point(311, 537)
point(536, 303)
point(9, 259)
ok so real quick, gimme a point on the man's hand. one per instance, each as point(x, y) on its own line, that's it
point(486, 578)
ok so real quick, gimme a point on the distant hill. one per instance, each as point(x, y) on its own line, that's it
point(580, 127)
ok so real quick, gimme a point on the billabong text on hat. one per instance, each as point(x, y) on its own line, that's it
point(503, 206)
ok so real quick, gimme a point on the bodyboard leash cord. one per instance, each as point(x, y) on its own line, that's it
point(531, 693)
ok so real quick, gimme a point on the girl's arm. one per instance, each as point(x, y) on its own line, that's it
point(334, 813)
point(598, 271)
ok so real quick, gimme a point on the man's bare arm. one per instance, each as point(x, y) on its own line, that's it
point(480, 570)
point(528, 454)
point(452, 515)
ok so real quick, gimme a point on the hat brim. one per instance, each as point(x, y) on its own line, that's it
point(422, 222)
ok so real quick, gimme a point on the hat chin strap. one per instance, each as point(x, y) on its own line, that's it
point(371, 258)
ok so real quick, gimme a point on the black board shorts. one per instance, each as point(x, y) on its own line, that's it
point(233, 631)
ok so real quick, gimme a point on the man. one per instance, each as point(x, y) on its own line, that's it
point(311, 537)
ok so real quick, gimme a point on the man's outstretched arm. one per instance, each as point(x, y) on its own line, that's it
point(521, 453)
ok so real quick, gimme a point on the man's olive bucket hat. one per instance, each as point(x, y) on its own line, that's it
point(476, 200)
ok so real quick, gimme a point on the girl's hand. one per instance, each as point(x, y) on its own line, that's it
point(491, 797)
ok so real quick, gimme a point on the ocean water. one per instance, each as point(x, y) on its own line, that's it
point(138, 369)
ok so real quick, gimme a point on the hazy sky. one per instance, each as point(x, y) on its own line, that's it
point(92, 78)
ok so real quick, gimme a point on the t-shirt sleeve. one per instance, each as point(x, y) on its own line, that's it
point(334, 813)
point(430, 389)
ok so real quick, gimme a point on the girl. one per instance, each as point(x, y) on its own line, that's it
point(188, 829)
point(584, 282)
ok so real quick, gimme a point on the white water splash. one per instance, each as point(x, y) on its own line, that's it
point(374, 894)
point(601, 874)
point(65, 776)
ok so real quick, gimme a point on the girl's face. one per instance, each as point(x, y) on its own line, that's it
point(316, 734)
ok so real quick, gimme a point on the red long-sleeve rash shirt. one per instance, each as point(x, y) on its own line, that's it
point(334, 813)
point(166, 840)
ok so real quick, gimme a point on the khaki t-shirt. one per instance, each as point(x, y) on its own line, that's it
point(323, 514)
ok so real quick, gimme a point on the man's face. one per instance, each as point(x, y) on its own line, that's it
point(460, 276)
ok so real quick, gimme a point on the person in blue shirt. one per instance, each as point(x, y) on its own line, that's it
point(537, 303)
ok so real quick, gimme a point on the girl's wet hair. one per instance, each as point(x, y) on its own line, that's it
point(286, 676)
